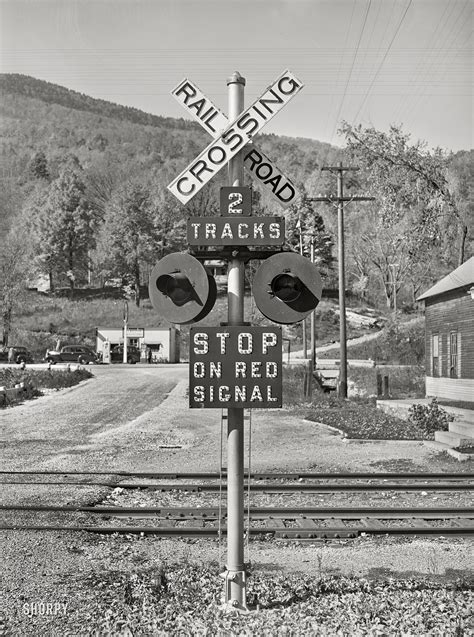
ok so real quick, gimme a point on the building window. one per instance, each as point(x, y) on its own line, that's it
point(435, 355)
point(453, 355)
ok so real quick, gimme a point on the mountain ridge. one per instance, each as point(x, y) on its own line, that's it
point(29, 86)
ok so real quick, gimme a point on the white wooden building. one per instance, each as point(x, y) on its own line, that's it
point(164, 343)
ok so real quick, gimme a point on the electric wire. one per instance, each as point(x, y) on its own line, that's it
point(440, 53)
point(340, 64)
point(341, 103)
point(383, 60)
point(422, 63)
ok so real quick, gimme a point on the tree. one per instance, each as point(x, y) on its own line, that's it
point(385, 252)
point(130, 233)
point(63, 223)
point(305, 225)
point(39, 166)
point(15, 266)
point(412, 183)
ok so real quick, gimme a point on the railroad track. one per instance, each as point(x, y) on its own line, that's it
point(266, 482)
point(286, 523)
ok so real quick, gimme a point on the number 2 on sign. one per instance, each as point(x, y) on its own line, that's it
point(233, 210)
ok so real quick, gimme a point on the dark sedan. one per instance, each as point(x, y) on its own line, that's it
point(71, 354)
point(20, 355)
point(133, 354)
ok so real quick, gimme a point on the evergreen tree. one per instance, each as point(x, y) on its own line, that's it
point(39, 166)
point(64, 225)
point(304, 227)
point(130, 233)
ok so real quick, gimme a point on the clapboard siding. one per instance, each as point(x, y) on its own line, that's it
point(450, 388)
point(446, 313)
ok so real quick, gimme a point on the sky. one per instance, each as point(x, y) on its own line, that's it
point(369, 62)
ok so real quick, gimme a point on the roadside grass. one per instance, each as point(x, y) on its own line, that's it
point(363, 421)
point(44, 318)
point(357, 417)
point(398, 343)
point(37, 380)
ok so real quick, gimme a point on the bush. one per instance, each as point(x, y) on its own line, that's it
point(430, 418)
point(35, 380)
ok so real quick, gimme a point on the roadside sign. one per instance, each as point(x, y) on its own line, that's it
point(235, 366)
point(235, 200)
point(234, 138)
point(134, 332)
point(234, 231)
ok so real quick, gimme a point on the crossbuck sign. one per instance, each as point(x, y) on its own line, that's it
point(230, 138)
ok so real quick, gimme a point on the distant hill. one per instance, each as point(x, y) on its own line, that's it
point(108, 138)
point(55, 94)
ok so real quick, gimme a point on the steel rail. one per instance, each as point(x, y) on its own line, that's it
point(256, 513)
point(266, 487)
point(257, 475)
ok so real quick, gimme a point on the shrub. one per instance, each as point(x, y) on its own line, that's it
point(430, 418)
point(35, 380)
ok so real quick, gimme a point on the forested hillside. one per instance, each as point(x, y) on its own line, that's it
point(84, 197)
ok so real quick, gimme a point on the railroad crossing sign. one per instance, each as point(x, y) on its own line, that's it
point(232, 137)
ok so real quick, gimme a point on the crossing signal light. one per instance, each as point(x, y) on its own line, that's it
point(287, 287)
point(181, 290)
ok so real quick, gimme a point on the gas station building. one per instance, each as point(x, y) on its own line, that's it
point(164, 343)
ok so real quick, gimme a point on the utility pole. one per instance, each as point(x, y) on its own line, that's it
point(125, 324)
point(312, 319)
point(340, 199)
point(303, 322)
point(392, 267)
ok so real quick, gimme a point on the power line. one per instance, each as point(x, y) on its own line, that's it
point(383, 59)
point(350, 72)
point(340, 62)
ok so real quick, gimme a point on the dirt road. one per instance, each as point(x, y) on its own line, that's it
point(136, 418)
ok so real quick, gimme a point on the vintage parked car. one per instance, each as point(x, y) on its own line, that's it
point(71, 354)
point(20, 354)
point(133, 354)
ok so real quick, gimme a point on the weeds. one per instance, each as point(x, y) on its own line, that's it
point(186, 600)
point(36, 380)
point(402, 344)
point(430, 418)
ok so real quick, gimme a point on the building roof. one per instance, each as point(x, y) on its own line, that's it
point(458, 278)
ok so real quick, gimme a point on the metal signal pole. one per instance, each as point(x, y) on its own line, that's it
point(235, 571)
point(340, 199)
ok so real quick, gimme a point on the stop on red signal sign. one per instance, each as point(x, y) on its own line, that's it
point(235, 366)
